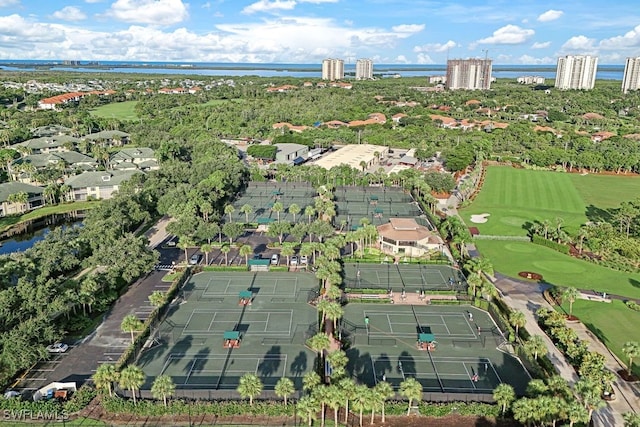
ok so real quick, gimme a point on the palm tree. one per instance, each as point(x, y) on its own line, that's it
point(245, 251)
point(229, 210)
point(308, 407)
point(338, 361)
point(284, 388)
point(323, 306)
point(250, 386)
point(576, 413)
point(310, 381)
point(333, 292)
point(277, 208)
point(631, 419)
point(163, 387)
point(246, 209)
point(157, 298)
point(294, 210)
point(504, 395)
point(319, 342)
point(570, 294)
point(131, 323)
point(480, 265)
point(225, 249)
point(287, 250)
point(322, 396)
point(21, 199)
point(383, 391)
point(361, 401)
point(105, 376)
point(348, 387)
point(590, 394)
point(582, 234)
point(334, 312)
point(474, 280)
point(206, 249)
point(132, 378)
point(334, 400)
point(412, 390)
point(517, 320)
point(309, 211)
point(535, 345)
point(631, 349)
point(185, 243)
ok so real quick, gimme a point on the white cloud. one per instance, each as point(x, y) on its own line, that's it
point(152, 12)
point(630, 39)
point(16, 31)
point(268, 6)
point(206, 5)
point(540, 45)
point(5, 3)
point(578, 43)
point(509, 34)
point(401, 59)
point(532, 60)
point(93, 1)
point(318, 1)
point(408, 28)
point(69, 13)
point(550, 15)
point(436, 47)
point(423, 58)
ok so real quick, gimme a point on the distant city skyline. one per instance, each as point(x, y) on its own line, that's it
point(308, 31)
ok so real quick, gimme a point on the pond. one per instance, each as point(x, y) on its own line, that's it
point(23, 236)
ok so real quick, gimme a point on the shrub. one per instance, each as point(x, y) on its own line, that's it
point(80, 399)
point(539, 240)
point(633, 305)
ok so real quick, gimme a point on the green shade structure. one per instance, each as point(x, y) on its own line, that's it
point(231, 335)
point(378, 210)
point(426, 338)
point(373, 198)
point(245, 294)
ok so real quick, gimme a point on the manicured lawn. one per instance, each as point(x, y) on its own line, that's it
point(613, 323)
point(117, 110)
point(515, 197)
point(511, 257)
point(9, 221)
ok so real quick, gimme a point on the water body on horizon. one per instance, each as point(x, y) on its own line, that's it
point(605, 72)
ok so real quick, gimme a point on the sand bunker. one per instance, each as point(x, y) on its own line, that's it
point(480, 219)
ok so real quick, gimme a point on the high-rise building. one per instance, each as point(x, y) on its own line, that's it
point(332, 69)
point(576, 72)
point(631, 79)
point(364, 69)
point(469, 74)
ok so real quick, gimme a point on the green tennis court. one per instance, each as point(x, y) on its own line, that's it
point(407, 277)
point(469, 353)
point(223, 326)
point(261, 197)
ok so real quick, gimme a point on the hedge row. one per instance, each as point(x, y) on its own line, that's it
point(539, 240)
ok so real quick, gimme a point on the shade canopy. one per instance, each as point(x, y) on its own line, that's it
point(245, 294)
point(231, 335)
point(426, 338)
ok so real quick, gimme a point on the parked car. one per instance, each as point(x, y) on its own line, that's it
point(294, 260)
point(195, 259)
point(275, 259)
point(303, 260)
point(58, 347)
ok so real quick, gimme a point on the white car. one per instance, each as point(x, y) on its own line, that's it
point(294, 260)
point(58, 347)
point(303, 260)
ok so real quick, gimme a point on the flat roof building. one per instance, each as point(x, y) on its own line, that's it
point(576, 72)
point(354, 155)
point(332, 69)
point(468, 74)
point(364, 69)
point(631, 78)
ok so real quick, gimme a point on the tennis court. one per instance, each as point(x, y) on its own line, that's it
point(404, 277)
point(377, 204)
point(467, 353)
point(224, 325)
point(261, 196)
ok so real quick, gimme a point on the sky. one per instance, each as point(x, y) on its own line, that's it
point(306, 31)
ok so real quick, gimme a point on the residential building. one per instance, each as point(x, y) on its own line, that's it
point(63, 161)
point(332, 69)
point(576, 72)
point(98, 184)
point(291, 154)
point(404, 236)
point(34, 197)
point(364, 69)
point(469, 74)
point(354, 156)
point(531, 80)
point(631, 78)
point(108, 138)
point(134, 158)
point(47, 144)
